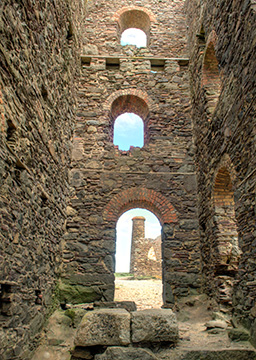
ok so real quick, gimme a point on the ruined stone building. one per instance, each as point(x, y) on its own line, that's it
point(64, 79)
point(146, 256)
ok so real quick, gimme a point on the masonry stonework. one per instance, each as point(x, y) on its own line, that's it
point(38, 61)
point(163, 167)
point(225, 147)
point(64, 79)
point(146, 253)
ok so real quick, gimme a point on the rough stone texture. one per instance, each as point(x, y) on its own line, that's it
point(104, 327)
point(127, 305)
point(225, 148)
point(119, 353)
point(166, 31)
point(154, 326)
point(228, 354)
point(146, 253)
point(38, 62)
point(159, 177)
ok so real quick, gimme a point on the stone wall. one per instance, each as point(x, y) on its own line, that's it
point(162, 21)
point(159, 177)
point(146, 253)
point(38, 57)
point(224, 132)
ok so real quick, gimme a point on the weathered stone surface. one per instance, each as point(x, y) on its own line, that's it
point(239, 334)
point(224, 124)
point(227, 354)
point(216, 324)
point(77, 294)
point(104, 327)
point(127, 305)
point(119, 353)
point(155, 325)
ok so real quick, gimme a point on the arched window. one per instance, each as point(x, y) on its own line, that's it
point(211, 82)
point(138, 24)
point(135, 37)
point(129, 114)
point(128, 131)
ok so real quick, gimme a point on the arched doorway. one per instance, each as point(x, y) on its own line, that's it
point(138, 266)
point(164, 211)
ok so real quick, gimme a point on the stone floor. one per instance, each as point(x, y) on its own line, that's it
point(197, 330)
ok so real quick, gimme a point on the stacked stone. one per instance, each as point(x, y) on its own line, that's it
point(146, 254)
point(38, 61)
point(225, 138)
point(165, 164)
point(113, 330)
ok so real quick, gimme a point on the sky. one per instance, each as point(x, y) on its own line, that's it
point(124, 235)
point(134, 36)
point(128, 130)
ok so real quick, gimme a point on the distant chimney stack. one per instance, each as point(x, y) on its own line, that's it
point(138, 233)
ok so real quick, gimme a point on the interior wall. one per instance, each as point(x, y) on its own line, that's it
point(226, 136)
point(38, 63)
point(100, 172)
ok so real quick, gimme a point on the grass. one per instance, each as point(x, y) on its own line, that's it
point(132, 277)
point(123, 275)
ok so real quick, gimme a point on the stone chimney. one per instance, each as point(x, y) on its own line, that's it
point(138, 235)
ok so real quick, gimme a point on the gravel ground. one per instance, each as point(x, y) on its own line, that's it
point(147, 294)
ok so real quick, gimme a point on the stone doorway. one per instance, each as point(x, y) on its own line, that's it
point(138, 265)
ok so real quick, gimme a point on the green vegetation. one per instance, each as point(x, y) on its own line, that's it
point(132, 277)
point(123, 275)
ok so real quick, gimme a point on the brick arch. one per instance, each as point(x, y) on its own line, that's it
point(123, 10)
point(211, 80)
point(140, 197)
point(227, 250)
point(226, 166)
point(132, 92)
point(134, 17)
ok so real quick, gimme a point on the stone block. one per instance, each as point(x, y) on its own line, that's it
point(77, 294)
point(104, 327)
point(121, 353)
point(127, 305)
point(154, 325)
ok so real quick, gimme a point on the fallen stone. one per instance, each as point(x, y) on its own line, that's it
point(216, 324)
point(226, 354)
point(127, 305)
point(154, 325)
point(239, 334)
point(120, 353)
point(104, 327)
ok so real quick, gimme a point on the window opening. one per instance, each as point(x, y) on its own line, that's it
point(211, 81)
point(131, 21)
point(112, 64)
point(11, 135)
point(5, 298)
point(86, 61)
point(138, 258)
point(128, 131)
point(201, 36)
point(133, 36)
point(157, 65)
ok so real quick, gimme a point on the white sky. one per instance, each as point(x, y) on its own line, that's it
point(128, 130)
point(124, 235)
point(134, 36)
